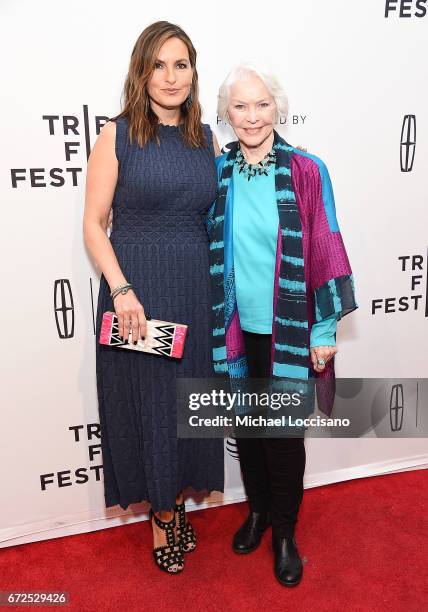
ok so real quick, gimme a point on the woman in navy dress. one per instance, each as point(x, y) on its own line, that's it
point(153, 165)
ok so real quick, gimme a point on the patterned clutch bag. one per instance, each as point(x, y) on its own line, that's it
point(162, 337)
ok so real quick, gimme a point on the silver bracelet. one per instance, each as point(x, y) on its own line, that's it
point(120, 289)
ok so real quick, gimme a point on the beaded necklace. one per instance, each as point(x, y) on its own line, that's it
point(261, 167)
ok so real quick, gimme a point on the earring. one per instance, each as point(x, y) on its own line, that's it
point(146, 106)
point(189, 99)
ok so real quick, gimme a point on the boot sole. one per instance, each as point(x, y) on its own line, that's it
point(247, 551)
point(288, 584)
point(250, 550)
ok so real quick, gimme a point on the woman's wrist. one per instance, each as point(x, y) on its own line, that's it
point(121, 288)
point(115, 280)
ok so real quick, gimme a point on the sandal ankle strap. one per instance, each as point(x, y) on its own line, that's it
point(165, 525)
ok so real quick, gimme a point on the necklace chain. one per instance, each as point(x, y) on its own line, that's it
point(261, 167)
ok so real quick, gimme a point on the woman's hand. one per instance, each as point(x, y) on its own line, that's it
point(322, 352)
point(130, 314)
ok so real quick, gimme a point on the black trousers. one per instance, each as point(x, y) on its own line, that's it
point(272, 468)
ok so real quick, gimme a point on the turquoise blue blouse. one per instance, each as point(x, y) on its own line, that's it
point(255, 231)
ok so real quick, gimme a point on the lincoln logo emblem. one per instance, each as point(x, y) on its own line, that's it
point(396, 407)
point(232, 448)
point(408, 143)
point(64, 308)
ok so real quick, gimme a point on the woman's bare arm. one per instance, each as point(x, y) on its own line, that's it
point(101, 182)
point(216, 146)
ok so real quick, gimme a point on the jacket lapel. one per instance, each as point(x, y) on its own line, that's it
point(290, 337)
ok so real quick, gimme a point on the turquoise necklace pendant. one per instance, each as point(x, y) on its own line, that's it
point(262, 167)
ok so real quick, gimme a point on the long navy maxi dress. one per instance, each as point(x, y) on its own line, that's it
point(159, 237)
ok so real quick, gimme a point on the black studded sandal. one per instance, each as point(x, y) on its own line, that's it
point(186, 535)
point(170, 554)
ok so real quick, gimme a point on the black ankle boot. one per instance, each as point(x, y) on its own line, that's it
point(288, 567)
point(249, 535)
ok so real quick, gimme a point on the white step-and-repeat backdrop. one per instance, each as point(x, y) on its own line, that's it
point(355, 74)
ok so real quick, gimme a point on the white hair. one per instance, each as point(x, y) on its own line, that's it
point(241, 72)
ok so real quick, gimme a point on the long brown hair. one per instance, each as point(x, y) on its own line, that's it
point(143, 121)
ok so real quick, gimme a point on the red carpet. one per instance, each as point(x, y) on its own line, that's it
point(365, 542)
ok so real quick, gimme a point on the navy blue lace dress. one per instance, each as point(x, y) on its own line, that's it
point(160, 241)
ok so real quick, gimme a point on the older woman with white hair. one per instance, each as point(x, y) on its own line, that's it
point(281, 279)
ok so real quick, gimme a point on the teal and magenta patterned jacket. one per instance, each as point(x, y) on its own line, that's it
point(313, 277)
